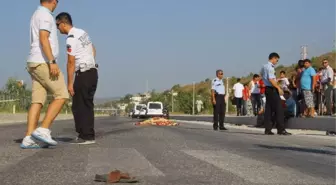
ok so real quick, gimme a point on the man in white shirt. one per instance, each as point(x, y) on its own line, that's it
point(81, 61)
point(45, 74)
point(255, 94)
point(326, 80)
point(284, 83)
point(238, 94)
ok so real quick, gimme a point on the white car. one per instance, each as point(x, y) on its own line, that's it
point(142, 112)
point(137, 109)
point(154, 109)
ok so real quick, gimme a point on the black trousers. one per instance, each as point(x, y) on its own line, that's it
point(85, 86)
point(239, 103)
point(219, 111)
point(256, 103)
point(273, 105)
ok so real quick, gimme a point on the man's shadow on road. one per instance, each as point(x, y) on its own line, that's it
point(297, 149)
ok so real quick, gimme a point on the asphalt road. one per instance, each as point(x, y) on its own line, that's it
point(189, 154)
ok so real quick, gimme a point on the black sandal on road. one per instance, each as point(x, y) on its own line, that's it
point(115, 177)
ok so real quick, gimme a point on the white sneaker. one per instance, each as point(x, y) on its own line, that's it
point(43, 134)
point(30, 143)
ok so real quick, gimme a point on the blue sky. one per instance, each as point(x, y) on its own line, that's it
point(171, 42)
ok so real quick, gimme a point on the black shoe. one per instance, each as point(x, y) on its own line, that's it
point(215, 128)
point(81, 141)
point(285, 133)
point(269, 133)
point(222, 128)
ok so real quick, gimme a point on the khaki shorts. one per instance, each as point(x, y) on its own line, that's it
point(43, 83)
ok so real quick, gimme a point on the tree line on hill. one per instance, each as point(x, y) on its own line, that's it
point(16, 93)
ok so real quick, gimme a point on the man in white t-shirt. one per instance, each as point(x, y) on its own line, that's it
point(283, 80)
point(255, 94)
point(81, 61)
point(326, 80)
point(238, 94)
point(45, 74)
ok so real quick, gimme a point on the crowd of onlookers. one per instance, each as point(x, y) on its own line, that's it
point(307, 93)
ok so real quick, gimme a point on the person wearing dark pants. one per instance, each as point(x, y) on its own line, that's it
point(81, 62)
point(238, 94)
point(273, 101)
point(255, 94)
point(218, 101)
point(82, 103)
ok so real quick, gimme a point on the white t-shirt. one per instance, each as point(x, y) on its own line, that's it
point(80, 46)
point(285, 83)
point(238, 90)
point(255, 89)
point(42, 19)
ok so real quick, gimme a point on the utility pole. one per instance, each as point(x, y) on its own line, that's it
point(193, 103)
point(304, 53)
point(172, 100)
point(146, 86)
point(227, 95)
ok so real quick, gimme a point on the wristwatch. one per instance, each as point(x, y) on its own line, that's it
point(52, 61)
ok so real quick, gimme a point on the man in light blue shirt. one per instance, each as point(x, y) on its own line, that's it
point(218, 100)
point(273, 93)
point(308, 83)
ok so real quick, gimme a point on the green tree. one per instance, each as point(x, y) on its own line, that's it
point(184, 102)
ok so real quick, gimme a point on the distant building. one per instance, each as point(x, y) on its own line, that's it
point(136, 99)
point(122, 106)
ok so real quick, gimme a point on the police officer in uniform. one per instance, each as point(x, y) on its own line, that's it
point(81, 62)
point(273, 101)
point(218, 100)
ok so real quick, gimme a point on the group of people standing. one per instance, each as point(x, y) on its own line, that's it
point(43, 67)
point(265, 95)
point(307, 93)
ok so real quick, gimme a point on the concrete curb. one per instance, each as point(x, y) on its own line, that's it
point(319, 123)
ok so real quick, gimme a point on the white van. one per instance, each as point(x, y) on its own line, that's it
point(154, 109)
point(136, 110)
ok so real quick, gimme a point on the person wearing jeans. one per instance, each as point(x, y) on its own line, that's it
point(255, 94)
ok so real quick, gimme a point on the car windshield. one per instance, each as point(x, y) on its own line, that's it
point(138, 107)
point(155, 106)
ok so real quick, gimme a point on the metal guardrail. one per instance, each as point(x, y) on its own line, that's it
point(318, 123)
point(4, 101)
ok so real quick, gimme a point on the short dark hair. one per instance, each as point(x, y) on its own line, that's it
point(255, 76)
point(273, 55)
point(45, 1)
point(282, 72)
point(300, 63)
point(238, 79)
point(306, 60)
point(64, 17)
point(218, 71)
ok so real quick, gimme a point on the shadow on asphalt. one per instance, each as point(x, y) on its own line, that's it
point(297, 149)
point(61, 139)
point(334, 147)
